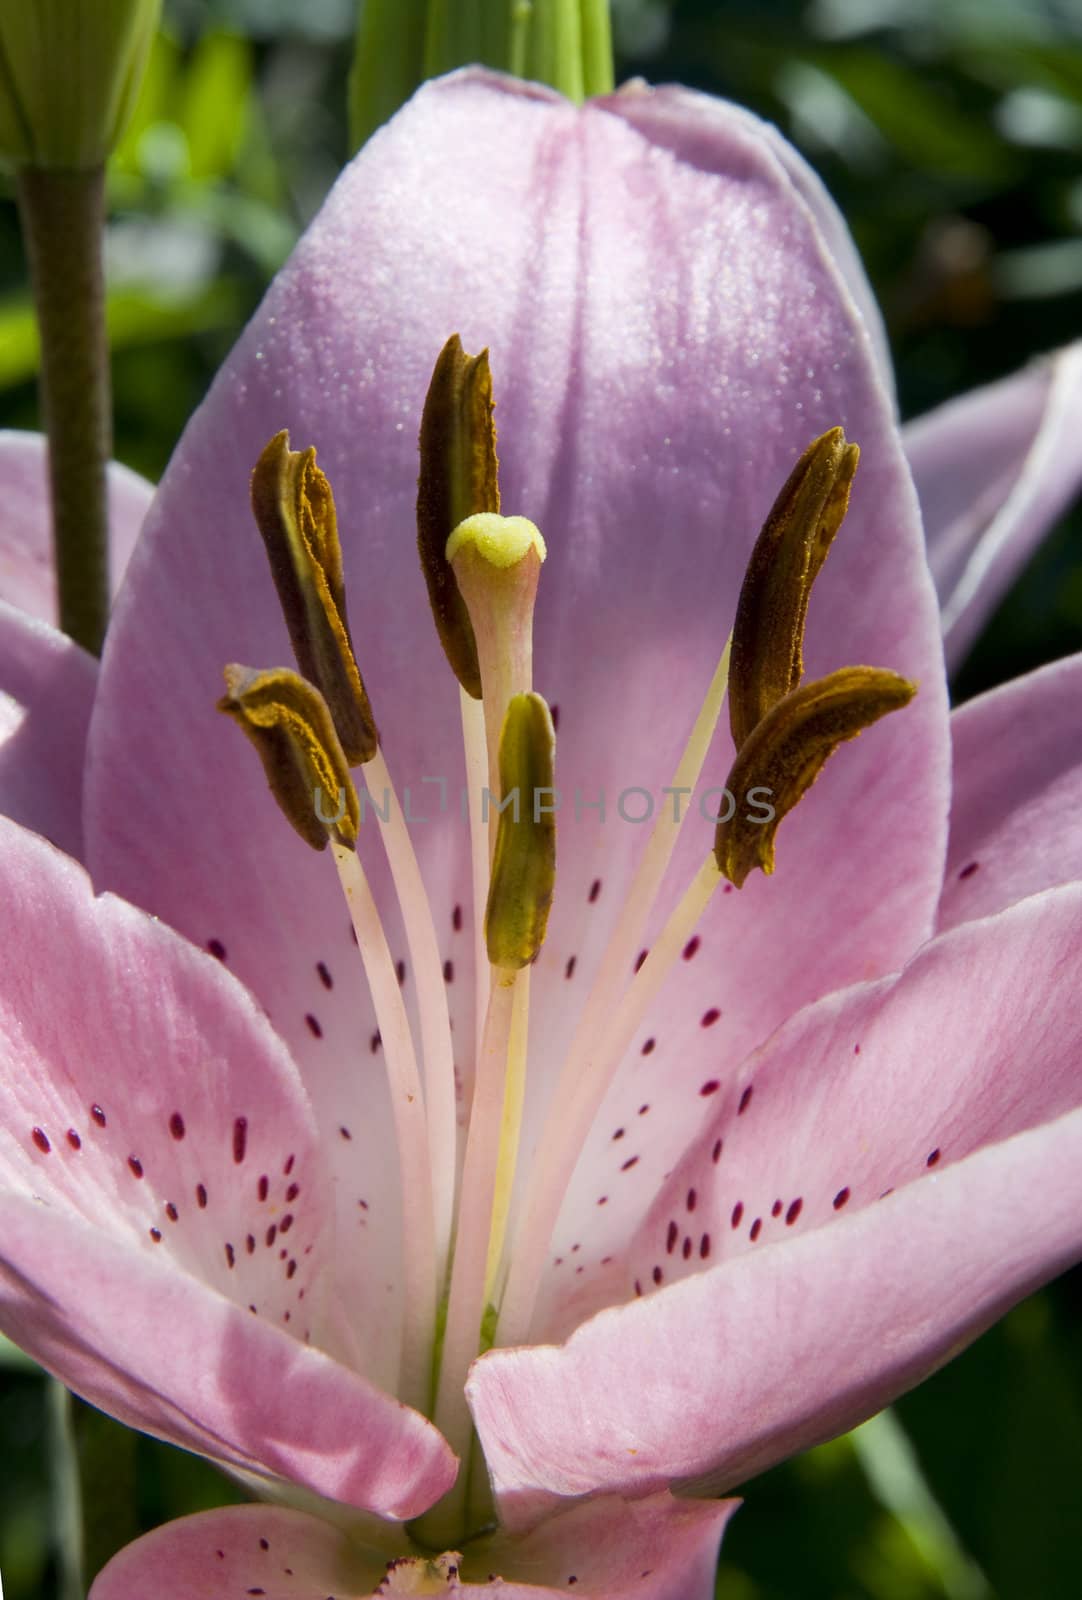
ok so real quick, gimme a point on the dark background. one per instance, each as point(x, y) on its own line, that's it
point(951, 136)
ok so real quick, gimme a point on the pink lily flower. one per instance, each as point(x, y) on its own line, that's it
point(843, 1127)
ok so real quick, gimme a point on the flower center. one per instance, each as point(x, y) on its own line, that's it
point(470, 1280)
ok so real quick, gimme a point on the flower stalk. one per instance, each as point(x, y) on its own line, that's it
point(63, 214)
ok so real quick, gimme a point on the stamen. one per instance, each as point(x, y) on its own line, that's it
point(411, 1135)
point(787, 750)
point(294, 508)
point(587, 1070)
point(289, 724)
point(458, 478)
point(516, 916)
point(768, 635)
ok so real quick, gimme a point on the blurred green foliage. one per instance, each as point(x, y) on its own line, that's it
point(951, 135)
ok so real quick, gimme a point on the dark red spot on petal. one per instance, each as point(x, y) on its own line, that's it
point(263, 1187)
point(775, 1210)
point(288, 1168)
point(715, 1154)
point(619, 1134)
point(968, 871)
point(345, 1133)
point(640, 960)
point(324, 974)
point(456, 919)
point(99, 1115)
point(933, 1158)
point(74, 1139)
point(156, 1235)
point(738, 1212)
point(230, 1255)
point(692, 1199)
point(217, 949)
point(448, 972)
point(745, 1100)
point(708, 1018)
point(286, 1223)
point(314, 1027)
point(569, 970)
point(685, 1249)
point(671, 1238)
point(657, 1274)
point(240, 1139)
point(756, 1228)
point(293, 1191)
point(795, 1208)
point(691, 947)
point(272, 1234)
point(629, 1163)
point(400, 972)
point(649, 1045)
point(375, 1042)
point(711, 1086)
point(171, 1211)
point(840, 1198)
point(249, 1244)
point(201, 1196)
point(554, 713)
point(856, 1049)
point(704, 1246)
point(643, 1110)
point(41, 1139)
point(176, 1125)
point(595, 890)
point(291, 1269)
point(136, 1166)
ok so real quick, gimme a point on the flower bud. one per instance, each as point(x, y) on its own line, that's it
point(70, 71)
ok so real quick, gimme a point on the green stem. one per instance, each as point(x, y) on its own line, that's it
point(108, 1488)
point(63, 216)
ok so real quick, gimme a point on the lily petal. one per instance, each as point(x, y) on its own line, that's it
point(46, 692)
point(656, 1549)
point(27, 579)
point(897, 1237)
point(994, 469)
point(167, 1219)
point(1017, 793)
point(668, 329)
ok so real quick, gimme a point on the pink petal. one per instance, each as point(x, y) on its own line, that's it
point(26, 558)
point(924, 1185)
point(994, 470)
point(160, 1182)
point(668, 329)
point(1017, 793)
point(656, 1549)
point(46, 692)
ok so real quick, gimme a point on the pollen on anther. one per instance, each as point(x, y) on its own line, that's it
point(738, 1212)
point(711, 1086)
point(176, 1125)
point(324, 975)
point(745, 1101)
point(240, 1139)
point(201, 1196)
point(595, 890)
point(691, 947)
point(136, 1166)
point(709, 1018)
point(795, 1208)
point(41, 1139)
point(314, 1026)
